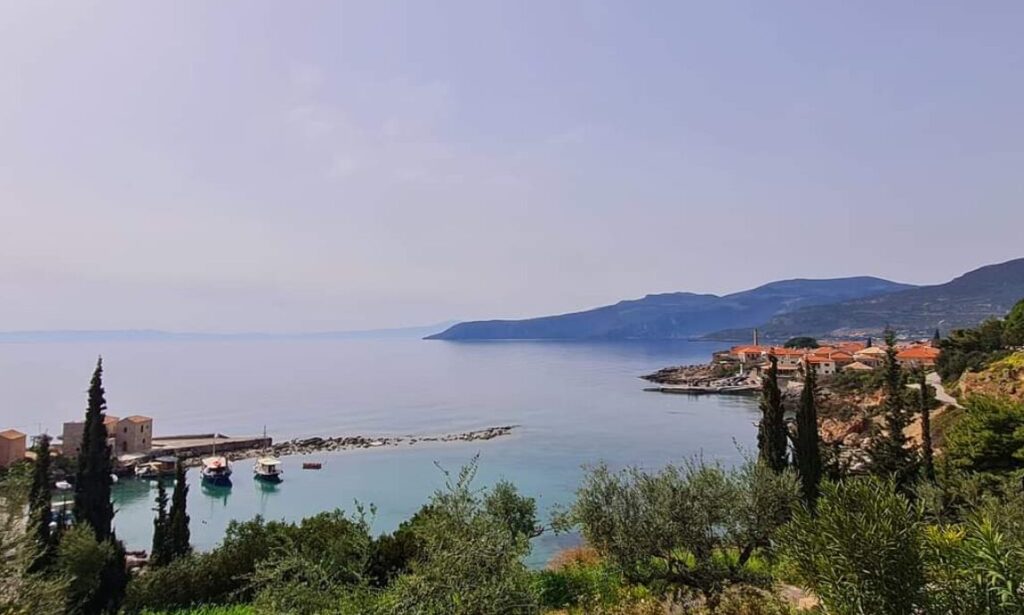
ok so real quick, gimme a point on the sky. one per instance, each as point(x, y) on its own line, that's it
point(304, 166)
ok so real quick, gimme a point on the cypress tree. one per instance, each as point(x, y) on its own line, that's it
point(807, 452)
point(95, 465)
point(160, 555)
point(178, 532)
point(926, 400)
point(890, 455)
point(39, 507)
point(771, 432)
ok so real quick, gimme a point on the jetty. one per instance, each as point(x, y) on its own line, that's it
point(747, 389)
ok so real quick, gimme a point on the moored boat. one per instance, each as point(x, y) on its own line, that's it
point(216, 471)
point(158, 468)
point(267, 469)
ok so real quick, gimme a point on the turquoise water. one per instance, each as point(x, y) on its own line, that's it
point(577, 403)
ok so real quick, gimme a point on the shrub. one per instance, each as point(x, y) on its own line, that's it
point(861, 551)
point(989, 437)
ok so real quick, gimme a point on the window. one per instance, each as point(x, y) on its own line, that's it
point(142, 428)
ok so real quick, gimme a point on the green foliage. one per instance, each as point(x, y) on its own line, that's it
point(160, 553)
point(579, 585)
point(471, 563)
point(1013, 326)
point(235, 609)
point(39, 503)
point(891, 457)
point(178, 535)
point(95, 464)
point(989, 437)
point(974, 568)
point(974, 349)
point(860, 552)
point(690, 527)
point(806, 450)
point(23, 591)
point(771, 431)
point(801, 342)
point(223, 576)
point(926, 401)
point(92, 568)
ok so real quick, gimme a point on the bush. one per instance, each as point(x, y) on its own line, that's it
point(684, 528)
point(575, 585)
point(861, 551)
point(989, 437)
point(223, 575)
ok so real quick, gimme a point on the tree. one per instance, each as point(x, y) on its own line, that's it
point(95, 466)
point(801, 342)
point(860, 551)
point(1013, 327)
point(693, 527)
point(890, 455)
point(22, 591)
point(39, 507)
point(807, 452)
point(471, 563)
point(926, 400)
point(989, 437)
point(160, 553)
point(771, 432)
point(178, 535)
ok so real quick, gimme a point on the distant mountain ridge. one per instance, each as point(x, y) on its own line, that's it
point(965, 301)
point(679, 315)
point(152, 335)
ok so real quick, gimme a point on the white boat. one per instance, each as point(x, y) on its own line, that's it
point(267, 469)
point(216, 471)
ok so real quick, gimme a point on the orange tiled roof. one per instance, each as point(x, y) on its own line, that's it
point(919, 352)
point(839, 355)
point(791, 352)
point(11, 434)
point(137, 418)
point(817, 359)
point(742, 349)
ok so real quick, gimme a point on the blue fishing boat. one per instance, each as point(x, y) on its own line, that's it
point(216, 471)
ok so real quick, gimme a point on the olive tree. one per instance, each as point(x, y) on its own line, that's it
point(692, 527)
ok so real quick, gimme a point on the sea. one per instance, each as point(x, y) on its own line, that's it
point(575, 404)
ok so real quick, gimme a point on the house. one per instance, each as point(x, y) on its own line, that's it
point(918, 356)
point(748, 354)
point(841, 358)
point(12, 447)
point(133, 434)
point(857, 366)
point(787, 357)
point(871, 356)
point(822, 366)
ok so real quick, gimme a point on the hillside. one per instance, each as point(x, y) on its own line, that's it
point(1003, 379)
point(677, 315)
point(962, 302)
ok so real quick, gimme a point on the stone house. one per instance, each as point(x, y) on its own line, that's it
point(12, 447)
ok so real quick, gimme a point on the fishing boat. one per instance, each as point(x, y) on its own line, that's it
point(311, 465)
point(216, 471)
point(267, 469)
point(158, 468)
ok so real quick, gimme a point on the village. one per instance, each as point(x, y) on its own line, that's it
point(739, 369)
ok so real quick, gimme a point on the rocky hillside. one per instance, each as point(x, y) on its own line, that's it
point(1004, 378)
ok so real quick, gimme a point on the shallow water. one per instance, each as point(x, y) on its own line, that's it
point(576, 403)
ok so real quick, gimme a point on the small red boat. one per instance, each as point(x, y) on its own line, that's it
point(311, 465)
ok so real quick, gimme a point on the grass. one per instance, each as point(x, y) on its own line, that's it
point(236, 609)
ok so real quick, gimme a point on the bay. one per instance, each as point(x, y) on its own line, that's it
point(575, 403)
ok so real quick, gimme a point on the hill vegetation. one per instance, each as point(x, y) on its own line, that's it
point(677, 315)
point(966, 301)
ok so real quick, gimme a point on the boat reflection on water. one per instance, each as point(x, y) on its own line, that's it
point(215, 492)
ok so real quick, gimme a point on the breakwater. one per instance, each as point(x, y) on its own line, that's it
point(319, 444)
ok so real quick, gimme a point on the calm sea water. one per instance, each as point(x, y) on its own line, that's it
point(577, 403)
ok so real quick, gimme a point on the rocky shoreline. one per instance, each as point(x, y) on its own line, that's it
point(306, 446)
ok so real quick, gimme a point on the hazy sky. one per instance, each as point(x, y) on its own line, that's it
point(287, 166)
